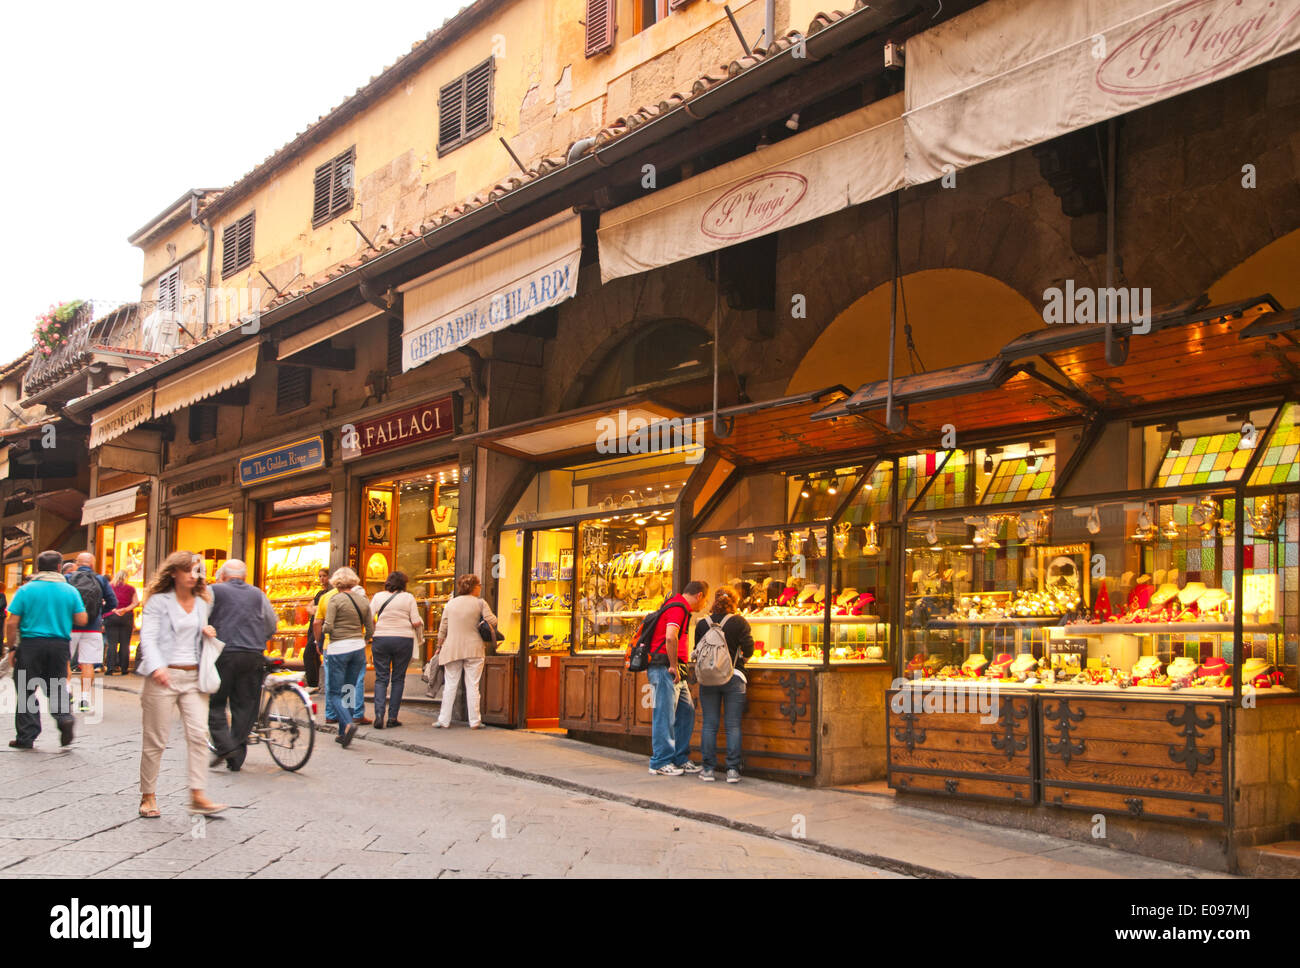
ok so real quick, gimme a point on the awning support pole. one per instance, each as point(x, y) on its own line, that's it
point(893, 422)
point(1116, 348)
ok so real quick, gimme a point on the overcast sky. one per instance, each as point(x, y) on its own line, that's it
point(108, 119)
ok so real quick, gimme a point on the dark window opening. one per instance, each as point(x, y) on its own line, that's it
point(293, 389)
point(203, 423)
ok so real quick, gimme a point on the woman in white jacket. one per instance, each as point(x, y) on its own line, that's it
point(460, 647)
point(172, 627)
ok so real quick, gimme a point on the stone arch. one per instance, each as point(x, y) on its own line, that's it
point(853, 348)
point(1273, 269)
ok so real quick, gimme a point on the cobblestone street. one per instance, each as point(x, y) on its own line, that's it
point(371, 811)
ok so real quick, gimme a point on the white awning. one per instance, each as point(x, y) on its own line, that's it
point(494, 288)
point(131, 412)
point(319, 333)
point(844, 162)
point(1013, 73)
point(206, 381)
point(107, 506)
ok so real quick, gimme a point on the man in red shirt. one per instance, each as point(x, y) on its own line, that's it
point(674, 713)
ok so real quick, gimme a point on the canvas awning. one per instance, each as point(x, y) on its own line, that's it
point(107, 506)
point(491, 289)
point(1013, 73)
point(323, 331)
point(844, 162)
point(131, 412)
point(206, 381)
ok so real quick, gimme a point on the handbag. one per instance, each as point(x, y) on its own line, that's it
point(488, 633)
point(209, 651)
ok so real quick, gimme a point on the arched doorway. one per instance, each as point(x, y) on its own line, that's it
point(1272, 269)
point(658, 354)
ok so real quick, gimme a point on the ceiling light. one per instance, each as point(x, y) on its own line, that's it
point(793, 122)
point(932, 533)
point(804, 491)
point(722, 543)
point(832, 489)
point(1094, 521)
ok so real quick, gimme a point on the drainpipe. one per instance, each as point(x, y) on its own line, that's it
point(769, 24)
point(207, 285)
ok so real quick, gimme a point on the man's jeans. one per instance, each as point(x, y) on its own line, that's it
point(673, 720)
point(343, 670)
point(331, 708)
point(729, 700)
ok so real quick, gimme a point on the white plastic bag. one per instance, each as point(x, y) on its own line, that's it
point(209, 678)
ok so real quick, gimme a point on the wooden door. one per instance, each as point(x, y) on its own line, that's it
point(498, 690)
point(641, 701)
point(575, 693)
point(609, 711)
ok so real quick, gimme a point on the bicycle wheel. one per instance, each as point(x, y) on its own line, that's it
point(290, 733)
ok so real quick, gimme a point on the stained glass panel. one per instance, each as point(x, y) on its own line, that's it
point(1013, 480)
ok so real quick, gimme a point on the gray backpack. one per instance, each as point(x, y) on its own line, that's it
point(712, 658)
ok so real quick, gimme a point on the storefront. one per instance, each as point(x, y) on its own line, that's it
point(120, 519)
point(202, 518)
point(1101, 620)
point(408, 482)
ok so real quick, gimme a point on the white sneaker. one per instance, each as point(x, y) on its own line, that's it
point(443, 725)
point(689, 767)
point(733, 776)
point(667, 770)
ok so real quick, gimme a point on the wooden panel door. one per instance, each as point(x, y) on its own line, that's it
point(498, 690)
point(575, 693)
point(609, 711)
point(641, 701)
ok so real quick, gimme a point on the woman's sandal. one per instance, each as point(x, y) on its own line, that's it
point(150, 813)
point(209, 810)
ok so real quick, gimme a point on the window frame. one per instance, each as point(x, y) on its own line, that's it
point(243, 257)
point(338, 199)
point(462, 82)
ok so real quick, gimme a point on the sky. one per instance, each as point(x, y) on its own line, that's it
point(107, 109)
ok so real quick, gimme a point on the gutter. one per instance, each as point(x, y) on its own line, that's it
point(851, 28)
point(210, 234)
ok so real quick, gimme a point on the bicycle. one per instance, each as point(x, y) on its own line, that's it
point(284, 723)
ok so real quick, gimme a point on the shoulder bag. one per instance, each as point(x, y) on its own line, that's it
point(210, 650)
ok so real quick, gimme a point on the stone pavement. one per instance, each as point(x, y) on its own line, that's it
point(871, 829)
point(370, 811)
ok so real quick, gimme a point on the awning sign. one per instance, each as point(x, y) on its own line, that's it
point(109, 506)
point(128, 414)
point(270, 465)
point(843, 162)
point(522, 275)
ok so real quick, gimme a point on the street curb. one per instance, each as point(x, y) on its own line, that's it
point(892, 864)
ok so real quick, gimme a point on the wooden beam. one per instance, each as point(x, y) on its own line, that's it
point(322, 356)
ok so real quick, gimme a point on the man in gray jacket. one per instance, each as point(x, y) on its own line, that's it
point(244, 620)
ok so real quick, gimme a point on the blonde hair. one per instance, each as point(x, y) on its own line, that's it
point(344, 578)
point(164, 580)
point(120, 577)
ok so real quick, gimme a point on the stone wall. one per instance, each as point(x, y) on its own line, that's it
point(1266, 776)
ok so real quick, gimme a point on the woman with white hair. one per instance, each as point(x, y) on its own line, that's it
point(349, 625)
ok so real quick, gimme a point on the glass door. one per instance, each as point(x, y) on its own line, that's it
point(550, 623)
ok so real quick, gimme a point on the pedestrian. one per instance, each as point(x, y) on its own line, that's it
point(673, 718)
point(119, 625)
point(177, 604)
point(359, 687)
point(4, 608)
point(725, 701)
point(398, 630)
point(460, 648)
point(244, 619)
point(39, 629)
point(311, 656)
point(88, 639)
point(68, 568)
point(349, 625)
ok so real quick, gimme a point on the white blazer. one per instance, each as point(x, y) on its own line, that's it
point(160, 644)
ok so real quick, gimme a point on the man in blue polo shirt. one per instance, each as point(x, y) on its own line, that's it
point(41, 616)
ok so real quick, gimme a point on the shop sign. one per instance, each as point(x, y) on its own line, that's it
point(270, 465)
point(187, 488)
point(428, 421)
point(751, 207)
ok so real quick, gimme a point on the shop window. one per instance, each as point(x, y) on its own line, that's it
point(203, 423)
point(293, 536)
point(1203, 450)
point(332, 187)
point(603, 487)
point(409, 524)
point(237, 246)
point(210, 535)
point(292, 389)
point(660, 354)
point(872, 504)
point(465, 107)
point(1279, 464)
point(755, 499)
point(816, 496)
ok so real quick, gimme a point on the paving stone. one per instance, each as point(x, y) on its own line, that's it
point(67, 863)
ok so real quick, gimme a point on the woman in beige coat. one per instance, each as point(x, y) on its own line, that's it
point(460, 648)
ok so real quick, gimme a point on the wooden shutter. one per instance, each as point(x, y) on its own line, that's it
point(321, 205)
point(600, 26)
point(169, 292)
point(341, 195)
point(395, 347)
point(237, 246)
point(292, 388)
point(478, 99)
point(203, 423)
point(451, 103)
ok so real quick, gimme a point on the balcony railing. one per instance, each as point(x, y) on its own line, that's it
point(89, 331)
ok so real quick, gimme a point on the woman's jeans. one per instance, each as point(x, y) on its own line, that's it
point(392, 656)
point(717, 702)
point(343, 672)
